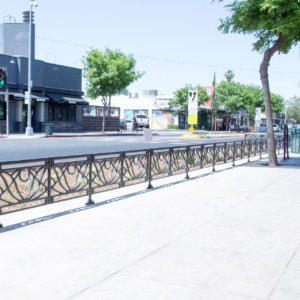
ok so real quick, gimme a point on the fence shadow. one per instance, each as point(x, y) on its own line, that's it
point(96, 205)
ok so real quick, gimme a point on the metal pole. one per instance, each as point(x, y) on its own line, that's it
point(7, 105)
point(29, 129)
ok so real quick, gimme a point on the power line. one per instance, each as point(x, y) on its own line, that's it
point(296, 87)
point(168, 60)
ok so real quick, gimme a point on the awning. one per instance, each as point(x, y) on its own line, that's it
point(39, 97)
point(17, 95)
point(62, 98)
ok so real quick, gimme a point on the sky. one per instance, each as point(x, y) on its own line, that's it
point(179, 30)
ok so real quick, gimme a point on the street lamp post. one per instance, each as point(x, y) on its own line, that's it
point(29, 129)
point(286, 108)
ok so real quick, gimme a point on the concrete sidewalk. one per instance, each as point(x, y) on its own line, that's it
point(232, 234)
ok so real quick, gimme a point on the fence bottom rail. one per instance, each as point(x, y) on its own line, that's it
point(31, 183)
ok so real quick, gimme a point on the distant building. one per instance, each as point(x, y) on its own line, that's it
point(14, 38)
point(155, 107)
point(150, 93)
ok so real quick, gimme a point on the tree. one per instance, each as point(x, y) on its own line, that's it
point(275, 25)
point(293, 111)
point(229, 75)
point(215, 103)
point(108, 73)
point(232, 96)
point(277, 101)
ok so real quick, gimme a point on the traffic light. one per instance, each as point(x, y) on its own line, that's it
point(3, 78)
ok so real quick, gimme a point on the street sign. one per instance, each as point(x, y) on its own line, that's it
point(193, 107)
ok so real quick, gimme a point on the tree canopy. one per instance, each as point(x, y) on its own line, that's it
point(275, 24)
point(108, 73)
point(236, 96)
point(229, 75)
point(293, 111)
point(267, 20)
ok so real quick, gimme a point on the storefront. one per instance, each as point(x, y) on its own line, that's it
point(56, 96)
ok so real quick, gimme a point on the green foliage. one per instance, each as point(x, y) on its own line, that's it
point(181, 97)
point(108, 72)
point(277, 102)
point(236, 96)
point(293, 111)
point(229, 75)
point(203, 118)
point(266, 20)
point(251, 113)
point(215, 103)
point(231, 95)
point(172, 126)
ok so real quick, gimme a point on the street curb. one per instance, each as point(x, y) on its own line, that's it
point(94, 135)
point(223, 136)
point(192, 137)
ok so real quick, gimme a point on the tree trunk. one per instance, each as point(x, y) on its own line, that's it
point(103, 122)
point(266, 90)
point(104, 111)
point(215, 124)
point(109, 106)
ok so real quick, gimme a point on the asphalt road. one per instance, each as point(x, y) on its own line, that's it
point(23, 149)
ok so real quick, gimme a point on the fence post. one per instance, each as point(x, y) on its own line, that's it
point(242, 149)
point(149, 154)
point(170, 161)
point(249, 150)
point(287, 144)
point(90, 191)
point(187, 163)
point(201, 156)
point(260, 148)
point(122, 156)
point(255, 147)
point(214, 158)
point(225, 152)
point(233, 154)
point(49, 199)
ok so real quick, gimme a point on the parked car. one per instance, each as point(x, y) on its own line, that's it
point(276, 128)
point(143, 121)
point(128, 124)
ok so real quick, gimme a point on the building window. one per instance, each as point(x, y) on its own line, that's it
point(61, 112)
point(64, 112)
point(72, 112)
point(50, 112)
point(57, 112)
point(2, 110)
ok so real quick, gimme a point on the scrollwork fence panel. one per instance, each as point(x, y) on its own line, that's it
point(31, 183)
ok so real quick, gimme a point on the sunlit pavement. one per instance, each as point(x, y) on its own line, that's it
point(230, 234)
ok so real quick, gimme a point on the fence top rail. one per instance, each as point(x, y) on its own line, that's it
point(84, 157)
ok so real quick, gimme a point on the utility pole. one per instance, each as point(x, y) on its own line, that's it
point(29, 129)
point(7, 105)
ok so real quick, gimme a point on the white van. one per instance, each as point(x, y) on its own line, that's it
point(143, 121)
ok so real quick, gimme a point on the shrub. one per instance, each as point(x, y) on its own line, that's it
point(172, 126)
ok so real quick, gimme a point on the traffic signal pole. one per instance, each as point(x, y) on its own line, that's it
point(7, 106)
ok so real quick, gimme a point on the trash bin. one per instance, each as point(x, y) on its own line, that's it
point(295, 143)
point(49, 128)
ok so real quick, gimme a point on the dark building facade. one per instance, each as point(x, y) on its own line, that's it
point(56, 91)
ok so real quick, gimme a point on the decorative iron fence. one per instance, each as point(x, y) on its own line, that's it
point(31, 183)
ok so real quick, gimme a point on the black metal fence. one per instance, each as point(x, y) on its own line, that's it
point(31, 183)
